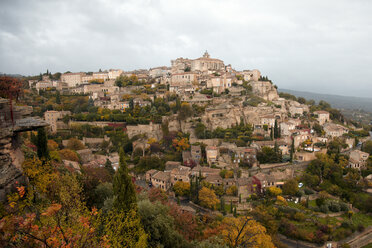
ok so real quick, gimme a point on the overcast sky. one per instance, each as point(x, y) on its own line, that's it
point(309, 45)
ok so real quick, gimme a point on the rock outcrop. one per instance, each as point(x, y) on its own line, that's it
point(12, 122)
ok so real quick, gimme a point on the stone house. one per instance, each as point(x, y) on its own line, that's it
point(114, 73)
point(334, 130)
point(187, 158)
point(304, 156)
point(322, 116)
point(246, 187)
point(51, 117)
point(214, 179)
point(287, 127)
point(170, 165)
point(228, 182)
point(196, 154)
point(204, 171)
point(245, 154)
point(358, 159)
point(283, 146)
point(268, 120)
point(212, 154)
point(72, 79)
point(86, 155)
point(161, 180)
point(275, 178)
point(181, 174)
point(149, 174)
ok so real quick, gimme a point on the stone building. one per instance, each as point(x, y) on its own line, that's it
point(358, 159)
point(114, 73)
point(72, 79)
point(322, 116)
point(51, 117)
point(202, 64)
point(206, 63)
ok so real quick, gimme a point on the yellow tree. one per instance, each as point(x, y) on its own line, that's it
point(274, 191)
point(181, 188)
point(124, 229)
point(181, 144)
point(50, 212)
point(245, 232)
point(208, 198)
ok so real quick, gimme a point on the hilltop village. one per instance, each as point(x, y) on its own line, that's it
point(213, 140)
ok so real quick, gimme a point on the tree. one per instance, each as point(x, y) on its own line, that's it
point(42, 144)
point(222, 206)
point(10, 88)
point(245, 232)
point(58, 98)
point(124, 229)
point(290, 187)
point(185, 111)
point(68, 154)
point(181, 188)
point(75, 144)
point(276, 130)
point(208, 198)
point(291, 152)
point(269, 155)
point(157, 222)
point(301, 100)
point(367, 147)
point(52, 145)
point(108, 167)
point(232, 190)
point(125, 196)
point(274, 191)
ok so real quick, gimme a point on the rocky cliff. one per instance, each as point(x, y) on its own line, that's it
point(12, 123)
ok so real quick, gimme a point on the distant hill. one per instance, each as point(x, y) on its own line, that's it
point(10, 75)
point(340, 102)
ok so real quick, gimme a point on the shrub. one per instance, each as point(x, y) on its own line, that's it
point(308, 191)
point(344, 207)
point(324, 208)
point(299, 216)
point(360, 228)
point(334, 207)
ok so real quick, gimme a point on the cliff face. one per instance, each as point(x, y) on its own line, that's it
point(11, 156)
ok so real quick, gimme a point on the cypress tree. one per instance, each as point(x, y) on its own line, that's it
point(222, 206)
point(292, 150)
point(108, 167)
point(231, 207)
point(271, 133)
point(42, 144)
point(125, 196)
point(276, 129)
point(58, 98)
point(191, 190)
point(234, 212)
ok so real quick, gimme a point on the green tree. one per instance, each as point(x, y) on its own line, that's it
point(291, 152)
point(42, 144)
point(157, 222)
point(276, 130)
point(125, 196)
point(58, 97)
point(108, 167)
point(290, 187)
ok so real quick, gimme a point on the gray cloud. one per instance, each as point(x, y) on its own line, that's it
point(320, 46)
